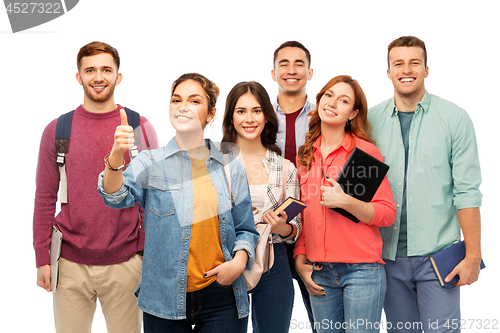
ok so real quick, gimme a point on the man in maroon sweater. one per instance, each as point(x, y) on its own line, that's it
point(99, 250)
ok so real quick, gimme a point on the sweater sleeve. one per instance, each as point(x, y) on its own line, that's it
point(47, 186)
point(149, 139)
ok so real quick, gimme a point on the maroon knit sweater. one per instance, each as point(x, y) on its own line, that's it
point(93, 234)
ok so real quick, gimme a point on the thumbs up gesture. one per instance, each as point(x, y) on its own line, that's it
point(124, 135)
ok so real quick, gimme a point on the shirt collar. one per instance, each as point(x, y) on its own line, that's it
point(346, 143)
point(305, 108)
point(423, 105)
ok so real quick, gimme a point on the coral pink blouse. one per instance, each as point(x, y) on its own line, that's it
point(328, 236)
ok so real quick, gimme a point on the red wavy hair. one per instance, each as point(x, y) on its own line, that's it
point(359, 127)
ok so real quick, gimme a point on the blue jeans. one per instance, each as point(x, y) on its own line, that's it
point(212, 309)
point(415, 300)
point(354, 297)
point(272, 297)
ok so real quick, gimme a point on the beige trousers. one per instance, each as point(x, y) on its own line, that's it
point(81, 285)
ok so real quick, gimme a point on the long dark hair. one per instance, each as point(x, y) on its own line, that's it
point(268, 135)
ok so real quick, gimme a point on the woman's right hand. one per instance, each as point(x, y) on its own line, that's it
point(124, 136)
point(305, 271)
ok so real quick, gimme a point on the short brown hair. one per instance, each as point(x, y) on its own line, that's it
point(292, 43)
point(95, 48)
point(407, 41)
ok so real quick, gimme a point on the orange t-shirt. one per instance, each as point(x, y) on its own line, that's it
point(205, 252)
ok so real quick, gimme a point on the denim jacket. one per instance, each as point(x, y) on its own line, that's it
point(160, 180)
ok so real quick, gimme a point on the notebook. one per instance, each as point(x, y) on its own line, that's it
point(360, 178)
point(292, 207)
point(55, 254)
point(445, 261)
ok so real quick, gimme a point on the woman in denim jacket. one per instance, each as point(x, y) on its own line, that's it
point(199, 238)
point(251, 123)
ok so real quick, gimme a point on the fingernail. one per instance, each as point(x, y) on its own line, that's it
point(204, 275)
point(327, 177)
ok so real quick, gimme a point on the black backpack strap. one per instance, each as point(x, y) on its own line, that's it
point(134, 120)
point(63, 134)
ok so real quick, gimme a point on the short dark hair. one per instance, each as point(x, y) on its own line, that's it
point(292, 43)
point(94, 48)
point(407, 41)
point(268, 135)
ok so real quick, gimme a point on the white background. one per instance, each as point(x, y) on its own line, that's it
point(232, 41)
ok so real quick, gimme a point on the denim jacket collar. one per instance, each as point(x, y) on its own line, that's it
point(173, 148)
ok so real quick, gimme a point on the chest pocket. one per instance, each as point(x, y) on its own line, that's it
point(163, 194)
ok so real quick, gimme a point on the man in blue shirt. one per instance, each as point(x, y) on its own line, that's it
point(431, 147)
point(292, 70)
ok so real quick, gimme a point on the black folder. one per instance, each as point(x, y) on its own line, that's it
point(360, 178)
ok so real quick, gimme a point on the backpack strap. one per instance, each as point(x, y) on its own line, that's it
point(63, 133)
point(134, 120)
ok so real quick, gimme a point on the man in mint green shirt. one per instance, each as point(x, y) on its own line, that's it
point(430, 146)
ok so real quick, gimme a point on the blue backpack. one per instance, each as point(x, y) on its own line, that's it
point(63, 134)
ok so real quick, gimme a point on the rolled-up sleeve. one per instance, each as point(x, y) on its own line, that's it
point(133, 187)
point(465, 164)
point(112, 200)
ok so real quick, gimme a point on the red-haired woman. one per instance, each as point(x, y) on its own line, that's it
point(347, 279)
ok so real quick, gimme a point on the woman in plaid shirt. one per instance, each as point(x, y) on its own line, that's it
point(250, 122)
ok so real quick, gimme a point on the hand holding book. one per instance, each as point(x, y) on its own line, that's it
point(291, 206)
point(278, 223)
point(335, 198)
point(360, 178)
point(447, 264)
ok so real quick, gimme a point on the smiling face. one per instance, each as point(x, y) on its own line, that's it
point(336, 106)
point(407, 72)
point(248, 119)
point(98, 74)
point(189, 107)
point(291, 70)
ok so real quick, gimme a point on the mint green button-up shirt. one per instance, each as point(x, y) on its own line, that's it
point(443, 173)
